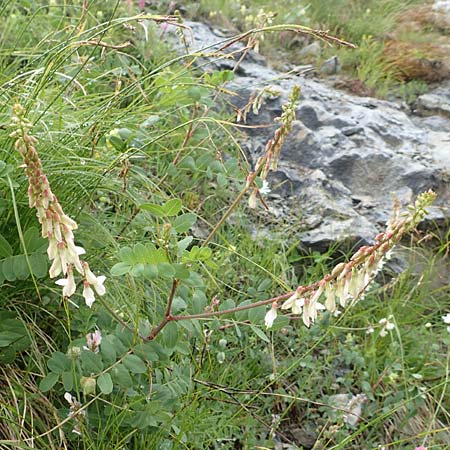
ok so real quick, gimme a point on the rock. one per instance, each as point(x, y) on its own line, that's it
point(436, 101)
point(313, 49)
point(346, 155)
point(348, 406)
point(442, 6)
point(331, 66)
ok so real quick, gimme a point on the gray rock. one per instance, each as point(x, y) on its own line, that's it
point(331, 66)
point(313, 49)
point(346, 155)
point(436, 101)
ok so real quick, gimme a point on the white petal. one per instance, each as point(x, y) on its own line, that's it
point(270, 317)
point(55, 268)
point(61, 282)
point(88, 295)
point(319, 306)
point(98, 286)
point(290, 301)
point(68, 397)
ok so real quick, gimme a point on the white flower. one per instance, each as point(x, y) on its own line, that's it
point(271, 315)
point(294, 302)
point(310, 311)
point(386, 326)
point(88, 294)
point(69, 398)
point(265, 189)
point(330, 300)
point(446, 319)
point(68, 283)
point(55, 268)
point(370, 330)
point(96, 282)
point(98, 285)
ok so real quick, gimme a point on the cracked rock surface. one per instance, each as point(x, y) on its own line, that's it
point(346, 155)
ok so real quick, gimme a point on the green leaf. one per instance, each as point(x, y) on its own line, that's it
point(242, 316)
point(181, 271)
point(121, 376)
point(39, 264)
point(199, 301)
point(170, 335)
point(166, 270)
point(120, 269)
point(33, 240)
point(48, 382)
point(59, 363)
point(260, 334)
point(8, 269)
point(108, 350)
point(256, 315)
point(172, 207)
point(91, 362)
point(147, 351)
point(9, 337)
point(20, 267)
point(105, 384)
point(137, 270)
point(126, 255)
point(141, 253)
point(5, 248)
point(150, 271)
point(151, 120)
point(67, 379)
point(134, 364)
point(153, 208)
point(184, 244)
point(184, 222)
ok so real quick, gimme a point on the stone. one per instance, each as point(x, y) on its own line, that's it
point(434, 102)
point(331, 66)
point(347, 156)
point(313, 49)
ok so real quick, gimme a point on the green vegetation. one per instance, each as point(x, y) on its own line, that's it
point(140, 154)
point(401, 45)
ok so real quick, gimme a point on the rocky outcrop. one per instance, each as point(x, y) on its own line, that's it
point(346, 156)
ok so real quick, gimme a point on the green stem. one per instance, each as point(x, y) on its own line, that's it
point(21, 238)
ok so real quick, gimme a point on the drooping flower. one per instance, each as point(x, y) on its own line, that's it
point(271, 315)
point(69, 285)
point(88, 294)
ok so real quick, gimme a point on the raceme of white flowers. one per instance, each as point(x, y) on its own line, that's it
point(348, 281)
point(57, 227)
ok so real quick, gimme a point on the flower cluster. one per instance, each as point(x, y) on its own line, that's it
point(386, 325)
point(93, 341)
point(269, 161)
point(75, 412)
point(57, 227)
point(347, 282)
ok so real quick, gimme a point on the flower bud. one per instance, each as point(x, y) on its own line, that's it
point(88, 385)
